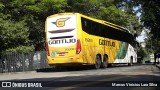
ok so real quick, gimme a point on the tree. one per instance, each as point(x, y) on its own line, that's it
point(150, 17)
point(108, 10)
point(14, 36)
point(27, 17)
point(141, 53)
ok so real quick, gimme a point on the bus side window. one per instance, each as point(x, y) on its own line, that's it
point(91, 29)
point(99, 29)
point(103, 31)
point(85, 23)
point(96, 28)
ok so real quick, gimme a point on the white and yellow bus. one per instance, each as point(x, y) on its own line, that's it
point(75, 39)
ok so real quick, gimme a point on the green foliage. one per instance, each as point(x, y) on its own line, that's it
point(151, 19)
point(45, 6)
point(133, 23)
point(1, 6)
point(106, 10)
point(22, 22)
point(141, 52)
point(13, 34)
point(150, 14)
point(20, 49)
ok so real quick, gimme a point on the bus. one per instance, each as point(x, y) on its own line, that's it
point(74, 39)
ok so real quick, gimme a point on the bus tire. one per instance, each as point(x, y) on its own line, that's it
point(131, 61)
point(105, 62)
point(97, 62)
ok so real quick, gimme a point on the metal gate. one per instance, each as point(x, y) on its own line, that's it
point(18, 62)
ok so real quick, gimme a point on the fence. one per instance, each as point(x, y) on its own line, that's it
point(18, 62)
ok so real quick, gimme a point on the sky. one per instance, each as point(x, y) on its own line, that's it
point(141, 37)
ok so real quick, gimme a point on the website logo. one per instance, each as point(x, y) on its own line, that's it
point(61, 22)
point(6, 84)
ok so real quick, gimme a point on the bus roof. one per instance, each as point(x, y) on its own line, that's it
point(58, 14)
point(94, 19)
point(106, 23)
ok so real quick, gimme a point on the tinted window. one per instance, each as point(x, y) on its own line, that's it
point(101, 30)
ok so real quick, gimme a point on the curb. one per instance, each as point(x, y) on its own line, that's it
point(11, 73)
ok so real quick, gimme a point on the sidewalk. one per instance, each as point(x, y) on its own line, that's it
point(158, 66)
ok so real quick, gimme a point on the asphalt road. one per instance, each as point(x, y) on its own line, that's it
point(137, 77)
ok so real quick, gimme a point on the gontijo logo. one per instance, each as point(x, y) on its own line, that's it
point(61, 22)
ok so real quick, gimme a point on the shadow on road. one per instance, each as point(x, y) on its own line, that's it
point(65, 69)
point(97, 82)
point(81, 68)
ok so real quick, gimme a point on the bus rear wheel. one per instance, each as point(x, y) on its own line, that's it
point(105, 62)
point(97, 62)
